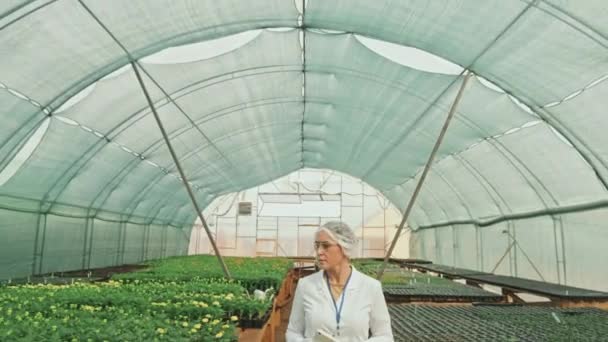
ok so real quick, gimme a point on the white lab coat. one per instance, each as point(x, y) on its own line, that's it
point(364, 308)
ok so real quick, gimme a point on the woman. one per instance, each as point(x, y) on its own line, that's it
point(338, 300)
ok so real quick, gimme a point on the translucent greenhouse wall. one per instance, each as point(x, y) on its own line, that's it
point(46, 243)
point(565, 249)
point(313, 95)
point(286, 212)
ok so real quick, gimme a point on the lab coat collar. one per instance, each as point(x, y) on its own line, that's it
point(354, 283)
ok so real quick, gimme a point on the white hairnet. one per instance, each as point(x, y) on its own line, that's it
point(341, 234)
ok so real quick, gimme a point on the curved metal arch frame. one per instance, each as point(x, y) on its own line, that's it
point(195, 126)
point(434, 197)
point(465, 205)
point(244, 147)
point(391, 147)
point(19, 7)
point(119, 130)
point(162, 201)
point(579, 145)
point(152, 50)
point(387, 152)
point(557, 222)
point(144, 111)
point(280, 175)
point(513, 265)
point(514, 161)
point(135, 161)
point(6, 160)
point(443, 178)
point(492, 192)
point(575, 145)
point(151, 184)
point(401, 209)
point(592, 151)
point(193, 152)
point(159, 203)
point(517, 168)
point(130, 119)
point(119, 63)
point(126, 170)
point(508, 154)
point(511, 159)
point(116, 128)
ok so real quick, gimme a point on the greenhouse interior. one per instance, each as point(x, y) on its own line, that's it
point(166, 167)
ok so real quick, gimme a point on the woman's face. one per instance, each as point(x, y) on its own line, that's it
point(329, 253)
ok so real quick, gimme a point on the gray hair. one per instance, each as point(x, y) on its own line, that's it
point(341, 233)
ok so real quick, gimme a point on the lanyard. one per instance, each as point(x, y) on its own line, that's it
point(338, 310)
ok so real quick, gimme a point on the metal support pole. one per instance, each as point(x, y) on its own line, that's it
point(145, 242)
point(85, 243)
point(563, 245)
point(478, 248)
point(91, 232)
point(303, 37)
point(163, 242)
point(119, 243)
point(41, 261)
point(36, 252)
point(531, 263)
point(454, 247)
point(199, 212)
point(427, 167)
point(198, 239)
point(503, 256)
point(526, 255)
point(124, 243)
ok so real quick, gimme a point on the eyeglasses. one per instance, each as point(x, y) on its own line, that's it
point(323, 245)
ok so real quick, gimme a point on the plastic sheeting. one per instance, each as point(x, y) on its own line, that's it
point(309, 96)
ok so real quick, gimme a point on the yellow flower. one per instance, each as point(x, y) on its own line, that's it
point(161, 331)
point(205, 320)
point(197, 326)
point(234, 318)
point(219, 335)
point(216, 303)
point(184, 324)
point(225, 326)
point(215, 321)
point(192, 331)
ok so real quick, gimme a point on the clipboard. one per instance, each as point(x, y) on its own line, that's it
point(322, 336)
